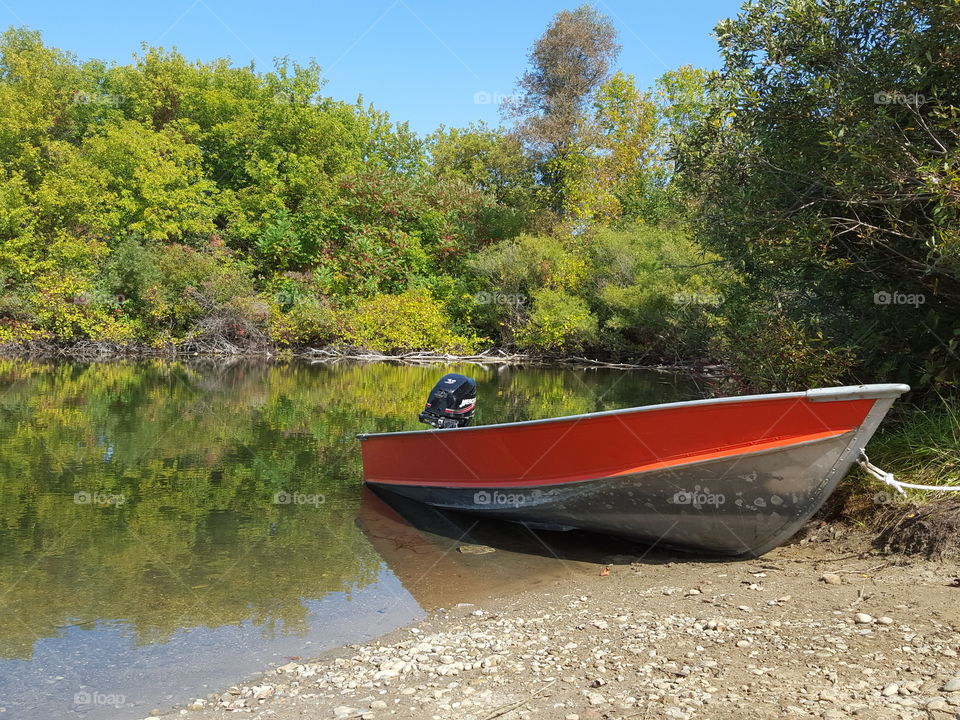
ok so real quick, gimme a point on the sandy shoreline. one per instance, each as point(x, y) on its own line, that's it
point(825, 628)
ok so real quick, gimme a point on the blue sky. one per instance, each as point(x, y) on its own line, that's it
point(429, 62)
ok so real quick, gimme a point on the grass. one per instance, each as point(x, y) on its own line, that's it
point(921, 446)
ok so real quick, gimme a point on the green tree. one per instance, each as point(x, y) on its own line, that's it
point(827, 168)
point(568, 63)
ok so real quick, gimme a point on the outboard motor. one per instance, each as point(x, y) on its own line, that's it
point(451, 402)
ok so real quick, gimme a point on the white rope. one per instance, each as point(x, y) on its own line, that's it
point(888, 478)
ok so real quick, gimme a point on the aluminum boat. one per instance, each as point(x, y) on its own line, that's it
point(733, 476)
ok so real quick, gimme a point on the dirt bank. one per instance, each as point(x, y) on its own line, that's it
point(827, 627)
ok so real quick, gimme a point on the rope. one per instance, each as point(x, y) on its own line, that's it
point(888, 478)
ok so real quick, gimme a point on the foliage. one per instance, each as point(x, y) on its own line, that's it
point(651, 292)
point(494, 162)
point(923, 443)
point(398, 323)
point(827, 168)
point(793, 215)
point(567, 64)
point(158, 201)
point(558, 323)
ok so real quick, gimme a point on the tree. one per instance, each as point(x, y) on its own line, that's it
point(493, 162)
point(567, 65)
point(828, 168)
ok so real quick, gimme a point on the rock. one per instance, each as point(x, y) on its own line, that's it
point(936, 703)
point(863, 618)
point(952, 685)
point(571, 716)
point(831, 579)
point(890, 690)
point(289, 667)
point(378, 705)
point(476, 549)
point(595, 698)
point(884, 620)
point(343, 711)
point(197, 704)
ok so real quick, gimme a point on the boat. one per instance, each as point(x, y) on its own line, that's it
point(732, 476)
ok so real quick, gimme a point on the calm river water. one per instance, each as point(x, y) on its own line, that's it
point(167, 529)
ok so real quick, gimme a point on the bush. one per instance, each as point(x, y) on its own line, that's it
point(308, 321)
point(655, 291)
point(558, 323)
point(400, 323)
point(769, 352)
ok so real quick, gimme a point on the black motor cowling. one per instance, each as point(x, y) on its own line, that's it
point(451, 403)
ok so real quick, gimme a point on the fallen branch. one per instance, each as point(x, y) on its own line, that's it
point(504, 709)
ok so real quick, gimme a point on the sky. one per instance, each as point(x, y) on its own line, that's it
point(429, 62)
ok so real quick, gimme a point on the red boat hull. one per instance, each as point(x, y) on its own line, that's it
point(734, 476)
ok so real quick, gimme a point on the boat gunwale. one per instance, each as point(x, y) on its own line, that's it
point(851, 392)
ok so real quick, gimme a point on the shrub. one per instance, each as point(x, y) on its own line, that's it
point(308, 321)
point(655, 291)
point(559, 322)
point(399, 323)
point(768, 351)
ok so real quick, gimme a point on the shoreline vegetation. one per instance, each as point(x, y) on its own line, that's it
point(791, 221)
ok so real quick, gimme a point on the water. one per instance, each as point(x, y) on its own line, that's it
point(167, 529)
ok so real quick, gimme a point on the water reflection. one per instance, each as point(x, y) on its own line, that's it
point(148, 507)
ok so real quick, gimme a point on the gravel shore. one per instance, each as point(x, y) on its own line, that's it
point(824, 628)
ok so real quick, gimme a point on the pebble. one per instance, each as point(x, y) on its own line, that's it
point(669, 655)
point(595, 698)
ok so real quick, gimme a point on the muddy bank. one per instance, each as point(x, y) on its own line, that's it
point(827, 627)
